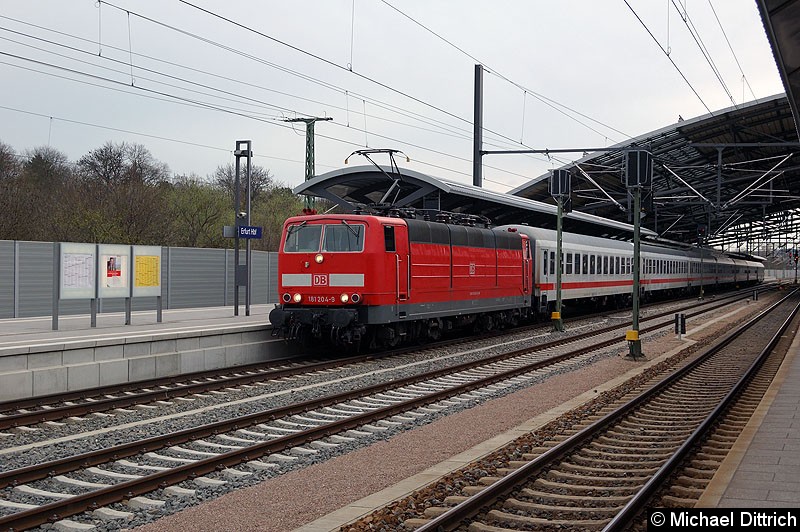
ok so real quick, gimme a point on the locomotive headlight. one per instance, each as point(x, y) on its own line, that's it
point(297, 298)
point(355, 298)
point(344, 298)
point(286, 297)
point(318, 258)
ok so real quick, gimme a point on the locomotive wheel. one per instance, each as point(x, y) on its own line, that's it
point(434, 330)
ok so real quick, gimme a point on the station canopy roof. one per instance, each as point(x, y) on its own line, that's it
point(734, 173)
point(351, 187)
point(748, 196)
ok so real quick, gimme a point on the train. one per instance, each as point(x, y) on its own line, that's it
point(374, 280)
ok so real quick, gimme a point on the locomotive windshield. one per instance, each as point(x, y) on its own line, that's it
point(342, 238)
point(302, 238)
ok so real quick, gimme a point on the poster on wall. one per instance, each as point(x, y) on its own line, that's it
point(77, 271)
point(114, 271)
point(146, 271)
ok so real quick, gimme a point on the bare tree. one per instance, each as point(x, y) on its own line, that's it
point(196, 212)
point(261, 181)
point(12, 219)
point(125, 188)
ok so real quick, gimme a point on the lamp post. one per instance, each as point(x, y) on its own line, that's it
point(638, 174)
point(560, 189)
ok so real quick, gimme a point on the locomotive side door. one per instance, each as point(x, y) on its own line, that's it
point(396, 243)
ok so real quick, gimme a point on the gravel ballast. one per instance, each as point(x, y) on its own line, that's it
point(303, 495)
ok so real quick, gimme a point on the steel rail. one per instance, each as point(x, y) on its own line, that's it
point(65, 465)
point(223, 379)
point(625, 517)
point(453, 517)
point(126, 490)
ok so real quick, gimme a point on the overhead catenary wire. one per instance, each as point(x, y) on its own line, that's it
point(703, 50)
point(202, 103)
point(730, 47)
point(315, 56)
point(465, 134)
point(668, 56)
point(186, 101)
point(377, 103)
point(547, 101)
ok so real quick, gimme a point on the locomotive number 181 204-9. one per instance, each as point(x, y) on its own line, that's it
point(322, 299)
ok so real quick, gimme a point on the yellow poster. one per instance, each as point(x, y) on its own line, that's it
point(147, 271)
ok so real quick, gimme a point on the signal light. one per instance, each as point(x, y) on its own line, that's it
point(286, 297)
point(355, 298)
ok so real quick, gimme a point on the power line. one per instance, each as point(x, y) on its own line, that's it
point(667, 54)
point(295, 48)
point(545, 100)
point(377, 103)
point(703, 50)
point(171, 97)
point(445, 128)
point(138, 133)
point(209, 106)
point(731, 49)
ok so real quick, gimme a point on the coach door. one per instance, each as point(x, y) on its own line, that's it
point(396, 242)
point(526, 266)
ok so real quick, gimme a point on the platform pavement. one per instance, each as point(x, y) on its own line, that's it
point(15, 332)
point(762, 470)
point(37, 361)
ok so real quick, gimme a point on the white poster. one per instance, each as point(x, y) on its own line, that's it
point(113, 271)
point(77, 271)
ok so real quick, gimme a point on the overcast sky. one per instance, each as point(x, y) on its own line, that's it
point(188, 79)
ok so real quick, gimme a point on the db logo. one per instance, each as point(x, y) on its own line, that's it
point(319, 280)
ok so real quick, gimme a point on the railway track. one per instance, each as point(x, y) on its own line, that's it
point(73, 405)
point(604, 473)
point(232, 450)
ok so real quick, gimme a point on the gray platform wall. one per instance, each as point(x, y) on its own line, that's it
point(191, 277)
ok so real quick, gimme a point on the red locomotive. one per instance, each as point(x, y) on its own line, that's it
point(376, 280)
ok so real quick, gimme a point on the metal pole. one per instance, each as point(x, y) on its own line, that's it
point(56, 281)
point(634, 343)
point(309, 122)
point(558, 324)
point(702, 272)
point(477, 139)
point(249, 249)
point(236, 203)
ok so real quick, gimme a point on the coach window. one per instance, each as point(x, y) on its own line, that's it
point(569, 263)
point(605, 265)
point(388, 238)
point(553, 262)
point(544, 263)
point(591, 264)
point(584, 264)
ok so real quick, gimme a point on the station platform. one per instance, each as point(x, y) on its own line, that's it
point(35, 360)
point(762, 470)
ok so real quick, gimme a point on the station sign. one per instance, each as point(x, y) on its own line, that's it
point(249, 231)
